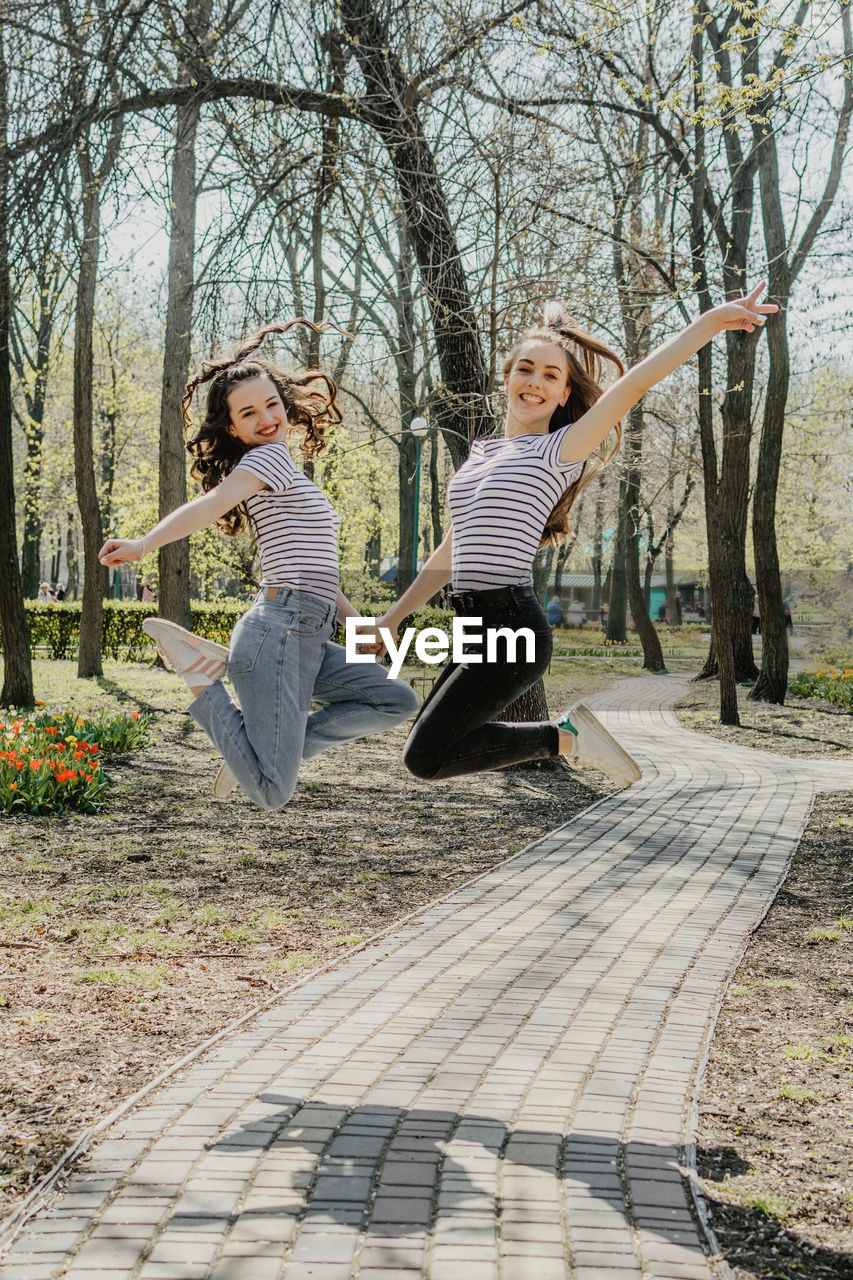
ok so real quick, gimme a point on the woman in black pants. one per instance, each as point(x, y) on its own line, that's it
point(511, 496)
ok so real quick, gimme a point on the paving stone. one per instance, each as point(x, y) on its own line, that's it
point(246, 1268)
point(30, 1270)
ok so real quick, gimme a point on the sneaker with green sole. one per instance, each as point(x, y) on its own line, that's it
point(595, 748)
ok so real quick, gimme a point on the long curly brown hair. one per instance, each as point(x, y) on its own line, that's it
point(309, 399)
point(585, 356)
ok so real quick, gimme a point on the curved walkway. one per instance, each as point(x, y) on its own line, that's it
point(502, 1088)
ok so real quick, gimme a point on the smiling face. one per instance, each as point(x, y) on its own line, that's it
point(257, 413)
point(535, 385)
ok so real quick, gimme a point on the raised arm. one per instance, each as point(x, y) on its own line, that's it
point(590, 429)
point(184, 520)
point(432, 577)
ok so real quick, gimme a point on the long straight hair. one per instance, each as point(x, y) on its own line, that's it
point(309, 399)
point(585, 357)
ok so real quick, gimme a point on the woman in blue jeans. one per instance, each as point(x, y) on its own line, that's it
point(282, 658)
point(511, 496)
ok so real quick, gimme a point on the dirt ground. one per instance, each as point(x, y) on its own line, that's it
point(776, 1112)
point(128, 937)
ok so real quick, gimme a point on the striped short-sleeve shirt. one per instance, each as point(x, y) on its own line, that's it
point(295, 524)
point(500, 500)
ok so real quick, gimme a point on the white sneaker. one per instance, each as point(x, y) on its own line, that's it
point(199, 661)
point(224, 782)
point(595, 748)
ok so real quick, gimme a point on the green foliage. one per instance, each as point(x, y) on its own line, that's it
point(834, 686)
point(366, 593)
point(110, 732)
point(49, 764)
point(430, 616)
point(55, 628)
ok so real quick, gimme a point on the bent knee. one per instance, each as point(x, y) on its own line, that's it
point(274, 795)
point(399, 700)
point(423, 764)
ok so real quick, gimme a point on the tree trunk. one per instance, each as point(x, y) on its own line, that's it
point(649, 638)
point(772, 683)
point(407, 462)
point(435, 491)
point(91, 617)
point(34, 435)
point(721, 549)
point(617, 625)
point(174, 559)
point(70, 559)
point(669, 569)
point(542, 566)
point(460, 406)
point(408, 458)
point(597, 546)
point(17, 666)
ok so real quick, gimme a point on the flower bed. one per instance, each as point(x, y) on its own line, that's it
point(834, 686)
point(52, 763)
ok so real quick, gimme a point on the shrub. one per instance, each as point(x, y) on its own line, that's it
point(55, 628)
point(834, 686)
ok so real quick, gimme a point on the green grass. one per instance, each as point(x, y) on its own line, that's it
point(140, 976)
point(830, 933)
point(803, 1051)
point(274, 918)
point(299, 960)
point(796, 1093)
point(241, 933)
point(767, 1202)
point(209, 915)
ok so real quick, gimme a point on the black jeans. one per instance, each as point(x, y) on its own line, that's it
point(456, 730)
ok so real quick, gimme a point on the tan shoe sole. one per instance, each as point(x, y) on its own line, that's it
point(224, 783)
point(598, 749)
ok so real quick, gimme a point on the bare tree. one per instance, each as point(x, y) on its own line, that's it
point(33, 334)
point(17, 667)
point(174, 558)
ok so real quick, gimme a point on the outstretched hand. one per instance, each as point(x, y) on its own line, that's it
point(121, 550)
point(745, 313)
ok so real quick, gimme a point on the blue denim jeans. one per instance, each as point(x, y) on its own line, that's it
point(281, 661)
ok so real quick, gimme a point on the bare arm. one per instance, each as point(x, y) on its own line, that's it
point(432, 577)
point(185, 520)
point(591, 428)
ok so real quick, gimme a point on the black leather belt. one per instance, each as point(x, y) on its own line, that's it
point(491, 597)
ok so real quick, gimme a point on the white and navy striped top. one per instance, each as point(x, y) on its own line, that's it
point(295, 524)
point(500, 500)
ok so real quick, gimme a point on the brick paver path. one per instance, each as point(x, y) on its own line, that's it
point(500, 1089)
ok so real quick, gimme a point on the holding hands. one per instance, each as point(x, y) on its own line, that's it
point(121, 551)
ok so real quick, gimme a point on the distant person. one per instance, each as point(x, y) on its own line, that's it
point(700, 611)
point(662, 612)
point(147, 594)
point(45, 596)
point(756, 616)
point(59, 594)
point(554, 613)
point(789, 621)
